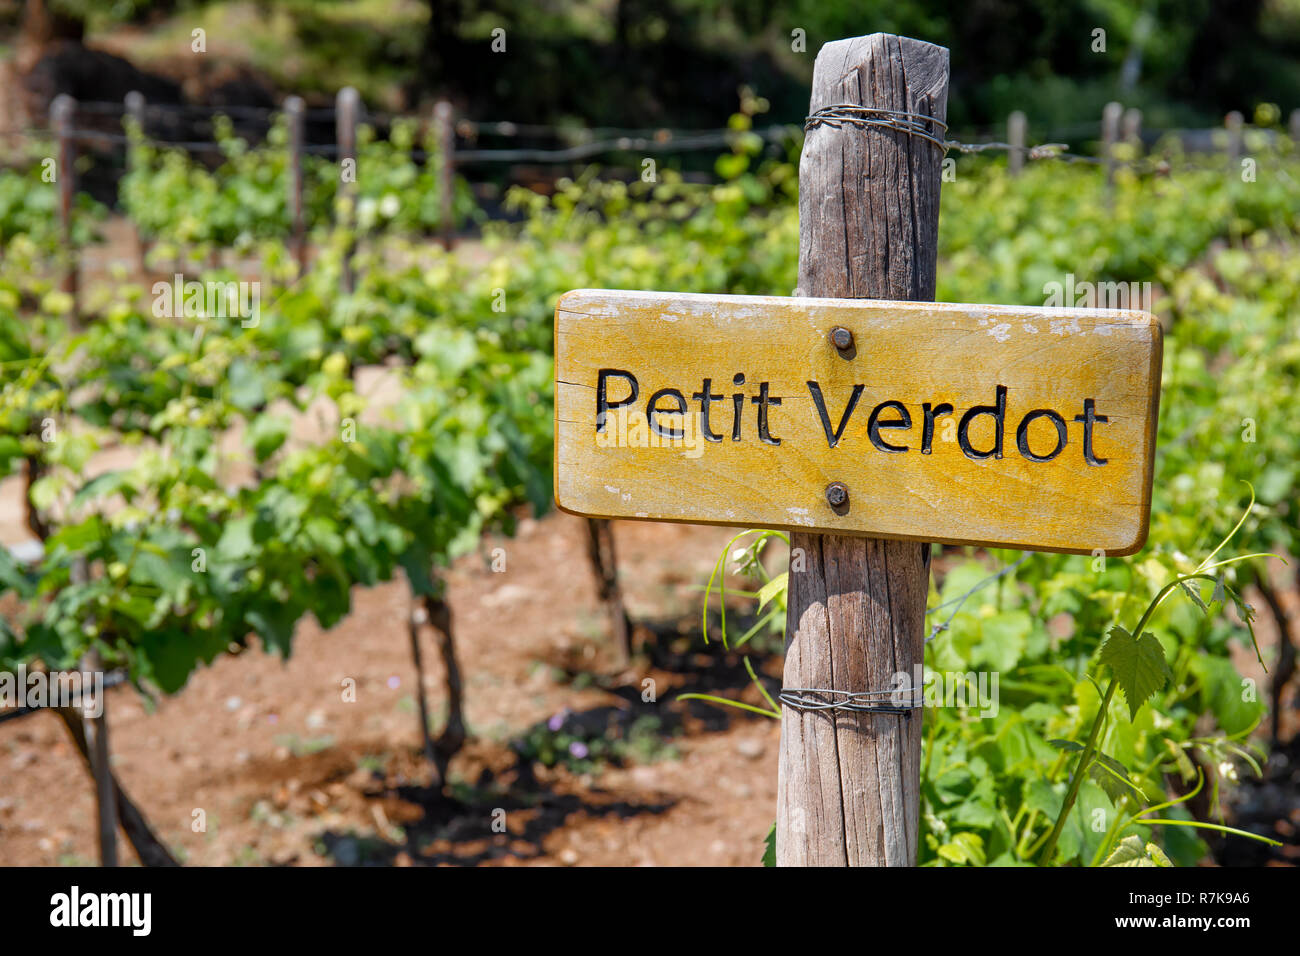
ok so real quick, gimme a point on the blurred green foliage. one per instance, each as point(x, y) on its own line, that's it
point(679, 62)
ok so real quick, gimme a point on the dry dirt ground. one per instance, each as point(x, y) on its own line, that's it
point(281, 770)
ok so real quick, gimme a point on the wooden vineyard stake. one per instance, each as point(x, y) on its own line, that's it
point(869, 421)
point(134, 105)
point(346, 107)
point(1110, 123)
point(294, 112)
point(62, 110)
point(446, 137)
point(1132, 130)
point(1233, 124)
point(1016, 140)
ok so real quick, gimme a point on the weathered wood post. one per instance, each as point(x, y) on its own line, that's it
point(134, 104)
point(849, 782)
point(1016, 140)
point(446, 134)
point(1294, 127)
point(1110, 118)
point(1132, 130)
point(293, 117)
point(1233, 123)
point(346, 107)
point(61, 112)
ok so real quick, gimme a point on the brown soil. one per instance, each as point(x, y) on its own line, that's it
point(286, 772)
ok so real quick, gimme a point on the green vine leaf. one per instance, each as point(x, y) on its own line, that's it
point(1131, 852)
point(1186, 771)
point(1218, 598)
point(1194, 593)
point(1112, 776)
point(1137, 663)
point(965, 849)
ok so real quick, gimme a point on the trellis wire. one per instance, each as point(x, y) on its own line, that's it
point(111, 679)
point(961, 598)
point(703, 141)
point(915, 124)
point(612, 139)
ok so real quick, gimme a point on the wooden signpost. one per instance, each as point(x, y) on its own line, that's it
point(864, 418)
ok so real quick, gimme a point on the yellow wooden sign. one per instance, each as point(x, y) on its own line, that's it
point(1004, 426)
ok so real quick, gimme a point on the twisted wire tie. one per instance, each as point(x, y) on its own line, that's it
point(906, 122)
point(860, 701)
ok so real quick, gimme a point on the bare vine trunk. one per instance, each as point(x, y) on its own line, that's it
point(150, 850)
point(439, 751)
point(1286, 659)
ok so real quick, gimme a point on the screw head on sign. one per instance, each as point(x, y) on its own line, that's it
point(841, 338)
point(837, 494)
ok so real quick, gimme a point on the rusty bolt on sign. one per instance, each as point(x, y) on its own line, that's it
point(842, 338)
point(837, 496)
